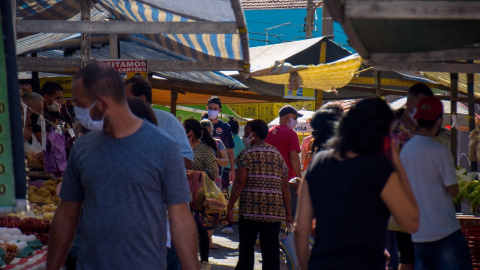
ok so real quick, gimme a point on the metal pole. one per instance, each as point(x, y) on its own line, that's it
point(471, 110)
point(453, 115)
point(378, 83)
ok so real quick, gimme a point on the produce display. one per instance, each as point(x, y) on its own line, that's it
point(14, 243)
point(469, 189)
point(44, 192)
point(28, 226)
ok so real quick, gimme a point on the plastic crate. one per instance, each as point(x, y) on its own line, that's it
point(471, 230)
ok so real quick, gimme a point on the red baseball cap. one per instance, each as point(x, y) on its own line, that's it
point(429, 108)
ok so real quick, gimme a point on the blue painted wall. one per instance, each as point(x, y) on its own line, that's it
point(259, 20)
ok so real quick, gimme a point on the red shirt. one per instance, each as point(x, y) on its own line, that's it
point(285, 140)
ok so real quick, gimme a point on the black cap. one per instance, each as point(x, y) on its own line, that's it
point(288, 109)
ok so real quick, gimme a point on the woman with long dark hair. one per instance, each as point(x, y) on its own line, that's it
point(202, 144)
point(351, 190)
point(323, 123)
point(204, 159)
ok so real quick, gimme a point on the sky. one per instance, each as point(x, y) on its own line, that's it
point(288, 26)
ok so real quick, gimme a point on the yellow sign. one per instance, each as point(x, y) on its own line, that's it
point(64, 82)
point(301, 93)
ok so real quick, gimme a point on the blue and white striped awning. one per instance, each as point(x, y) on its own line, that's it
point(212, 47)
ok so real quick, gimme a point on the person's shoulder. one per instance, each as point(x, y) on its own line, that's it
point(164, 116)
point(322, 157)
point(155, 133)
point(223, 125)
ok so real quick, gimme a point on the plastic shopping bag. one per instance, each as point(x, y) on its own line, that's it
point(214, 199)
point(288, 246)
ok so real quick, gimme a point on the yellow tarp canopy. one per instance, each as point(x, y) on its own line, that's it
point(163, 97)
point(323, 76)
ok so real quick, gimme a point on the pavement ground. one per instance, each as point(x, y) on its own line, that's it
point(226, 256)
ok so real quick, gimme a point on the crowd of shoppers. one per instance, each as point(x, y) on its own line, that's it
point(127, 177)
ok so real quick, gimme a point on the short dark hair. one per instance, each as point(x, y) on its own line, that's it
point(216, 100)
point(420, 88)
point(364, 127)
point(428, 124)
point(140, 86)
point(50, 88)
point(101, 79)
point(234, 125)
point(142, 109)
point(260, 127)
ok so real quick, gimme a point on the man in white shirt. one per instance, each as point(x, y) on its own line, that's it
point(430, 170)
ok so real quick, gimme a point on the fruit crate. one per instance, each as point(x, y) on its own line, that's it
point(471, 230)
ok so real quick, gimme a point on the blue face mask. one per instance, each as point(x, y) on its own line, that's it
point(83, 115)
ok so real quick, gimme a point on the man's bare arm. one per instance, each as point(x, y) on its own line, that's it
point(295, 159)
point(62, 233)
point(184, 235)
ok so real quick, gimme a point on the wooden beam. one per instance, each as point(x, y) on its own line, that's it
point(40, 64)
point(242, 30)
point(392, 82)
point(173, 101)
point(412, 10)
point(453, 113)
point(437, 67)
point(387, 92)
point(85, 41)
point(170, 84)
point(114, 52)
point(180, 65)
point(471, 112)
point(225, 93)
point(378, 83)
point(125, 27)
point(336, 9)
point(442, 55)
point(43, 64)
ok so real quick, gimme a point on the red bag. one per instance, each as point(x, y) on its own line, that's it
point(197, 189)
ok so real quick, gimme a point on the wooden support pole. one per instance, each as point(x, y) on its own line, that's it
point(453, 115)
point(173, 101)
point(327, 22)
point(86, 42)
point(471, 111)
point(318, 99)
point(309, 19)
point(13, 7)
point(35, 80)
point(378, 83)
point(114, 48)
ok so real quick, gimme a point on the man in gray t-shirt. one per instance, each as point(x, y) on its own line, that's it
point(125, 174)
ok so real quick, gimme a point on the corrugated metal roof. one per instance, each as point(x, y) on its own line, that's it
point(443, 78)
point(34, 42)
point(133, 50)
point(273, 4)
point(199, 46)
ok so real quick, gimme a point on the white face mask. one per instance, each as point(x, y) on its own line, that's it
point(292, 124)
point(213, 114)
point(412, 114)
point(247, 141)
point(83, 115)
point(55, 107)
